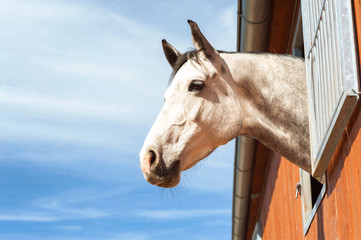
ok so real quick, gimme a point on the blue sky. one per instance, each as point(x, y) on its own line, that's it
point(81, 84)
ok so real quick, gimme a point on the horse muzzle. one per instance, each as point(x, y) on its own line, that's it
point(157, 173)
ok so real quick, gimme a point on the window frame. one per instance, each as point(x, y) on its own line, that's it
point(308, 211)
point(324, 144)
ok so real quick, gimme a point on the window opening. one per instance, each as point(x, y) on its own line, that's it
point(312, 193)
point(316, 188)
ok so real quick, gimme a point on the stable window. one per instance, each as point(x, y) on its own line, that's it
point(310, 190)
point(330, 56)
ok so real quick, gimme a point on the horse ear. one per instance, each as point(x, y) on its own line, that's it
point(200, 42)
point(170, 53)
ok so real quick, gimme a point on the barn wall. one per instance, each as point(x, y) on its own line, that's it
point(339, 215)
point(277, 210)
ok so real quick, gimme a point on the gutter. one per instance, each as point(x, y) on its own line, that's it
point(253, 17)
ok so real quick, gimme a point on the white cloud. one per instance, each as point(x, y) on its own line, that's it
point(98, 70)
point(75, 39)
point(71, 62)
point(79, 235)
point(75, 212)
point(80, 84)
point(72, 204)
point(79, 73)
point(81, 196)
point(71, 71)
point(60, 107)
point(27, 218)
point(54, 212)
point(181, 214)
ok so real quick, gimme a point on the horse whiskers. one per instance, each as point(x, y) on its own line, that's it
point(176, 193)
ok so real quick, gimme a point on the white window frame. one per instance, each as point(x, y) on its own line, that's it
point(329, 43)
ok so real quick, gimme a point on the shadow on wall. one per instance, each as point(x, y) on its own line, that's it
point(345, 150)
point(320, 226)
point(269, 186)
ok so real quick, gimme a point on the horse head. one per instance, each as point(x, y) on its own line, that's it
point(200, 112)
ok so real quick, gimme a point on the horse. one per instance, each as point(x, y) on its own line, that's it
point(214, 96)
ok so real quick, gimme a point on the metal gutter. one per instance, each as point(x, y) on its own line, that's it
point(252, 36)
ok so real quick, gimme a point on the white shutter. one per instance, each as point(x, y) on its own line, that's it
point(330, 56)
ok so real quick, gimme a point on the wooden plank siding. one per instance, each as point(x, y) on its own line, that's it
point(277, 209)
point(339, 215)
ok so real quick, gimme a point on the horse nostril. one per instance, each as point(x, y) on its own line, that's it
point(156, 163)
point(152, 157)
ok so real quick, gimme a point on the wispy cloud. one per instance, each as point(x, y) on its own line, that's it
point(81, 82)
point(181, 214)
point(76, 212)
point(73, 204)
point(27, 218)
point(59, 107)
point(71, 69)
point(56, 213)
point(72, 73)
point(114, 235)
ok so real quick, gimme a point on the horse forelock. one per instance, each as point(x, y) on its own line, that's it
point(190, 55)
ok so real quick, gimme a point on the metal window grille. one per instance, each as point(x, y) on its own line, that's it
point(330, 56)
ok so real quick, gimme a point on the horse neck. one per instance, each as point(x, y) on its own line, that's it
point(273, 94)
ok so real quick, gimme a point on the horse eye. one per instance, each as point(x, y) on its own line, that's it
point(196, 85)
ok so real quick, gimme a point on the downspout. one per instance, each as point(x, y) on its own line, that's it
point(253, 19)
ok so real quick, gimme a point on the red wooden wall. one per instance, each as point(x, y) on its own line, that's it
point(339, 215)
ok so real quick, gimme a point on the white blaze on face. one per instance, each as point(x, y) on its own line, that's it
point(176, 130)
point(192, 124)
point(200, 113)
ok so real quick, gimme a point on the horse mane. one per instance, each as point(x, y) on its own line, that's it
point(193, 55)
